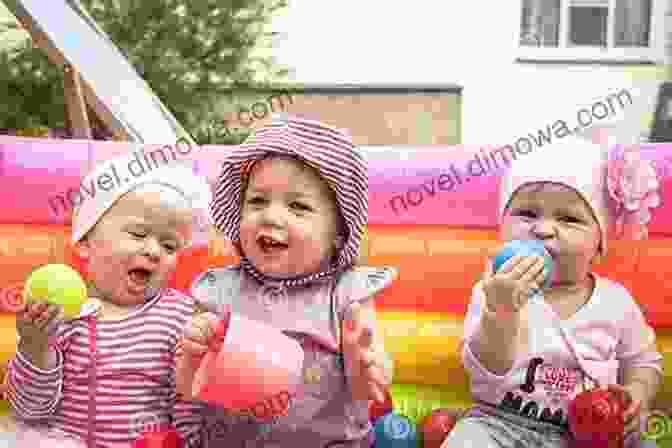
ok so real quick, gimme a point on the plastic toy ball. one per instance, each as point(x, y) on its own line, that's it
point(436, 426)
point(596, 419)
point(395, 431)
point(525, 248)
point(372, 439)
point(58, 284)
point(164, 438)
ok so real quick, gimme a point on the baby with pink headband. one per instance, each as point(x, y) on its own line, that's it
point(530, 347)
point(294, 201)
point(100, 380)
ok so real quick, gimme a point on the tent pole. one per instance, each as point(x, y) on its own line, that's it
point(75, 105)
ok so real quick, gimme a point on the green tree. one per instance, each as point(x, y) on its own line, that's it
point(188, 51)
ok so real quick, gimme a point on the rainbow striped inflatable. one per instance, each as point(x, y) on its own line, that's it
point(432, 214)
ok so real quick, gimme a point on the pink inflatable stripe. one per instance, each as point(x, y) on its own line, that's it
point(448, 185)
point(453, 185)
point(33, 171)
point(459, 186)
point(42, 176)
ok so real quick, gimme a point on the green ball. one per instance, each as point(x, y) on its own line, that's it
point(58, 284)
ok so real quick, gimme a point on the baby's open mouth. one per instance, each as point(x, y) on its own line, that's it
point(140, 276)
point(268, 243)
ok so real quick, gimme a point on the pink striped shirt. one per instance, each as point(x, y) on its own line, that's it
point(133, 384)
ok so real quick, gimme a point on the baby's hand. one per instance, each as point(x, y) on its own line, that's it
point(191, 347)
point(198, 334)
point(36, 322)
point(632, 406)
point(507, 291)
point(363, 362)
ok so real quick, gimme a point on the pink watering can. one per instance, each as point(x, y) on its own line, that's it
point(250, 368)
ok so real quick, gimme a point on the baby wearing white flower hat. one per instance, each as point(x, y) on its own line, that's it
point(530, 346)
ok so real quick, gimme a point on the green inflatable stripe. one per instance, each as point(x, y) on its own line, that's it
point(664, 443)
point(416, 401)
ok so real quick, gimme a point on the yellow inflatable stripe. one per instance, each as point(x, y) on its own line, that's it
point(8, 338)
point(424, 347)
point(664, 342)
point(8, 342)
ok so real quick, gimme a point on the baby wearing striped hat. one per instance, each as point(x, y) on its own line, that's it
point(293, 199)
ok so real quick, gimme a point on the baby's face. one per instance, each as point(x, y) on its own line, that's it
point(133, 248)
point(288, 220)
point(558, 216)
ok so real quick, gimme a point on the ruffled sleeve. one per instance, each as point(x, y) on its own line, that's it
point(360, 285)
point(215, 289)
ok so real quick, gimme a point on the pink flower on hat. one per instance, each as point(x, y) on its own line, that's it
point(633, 185)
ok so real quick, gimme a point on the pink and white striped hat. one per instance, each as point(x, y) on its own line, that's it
point(327, 149)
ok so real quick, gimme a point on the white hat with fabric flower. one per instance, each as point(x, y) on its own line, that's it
point(617, 183)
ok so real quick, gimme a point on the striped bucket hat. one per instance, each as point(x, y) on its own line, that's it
point(328, 150)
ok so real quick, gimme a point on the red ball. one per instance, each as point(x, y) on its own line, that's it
point(167, 438)
point(377, 409)
point(436, 426)
point(596, 419)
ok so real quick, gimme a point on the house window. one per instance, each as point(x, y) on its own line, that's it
point(587, 25)
point(597, 29)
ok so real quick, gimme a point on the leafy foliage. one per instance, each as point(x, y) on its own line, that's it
point(187, 51)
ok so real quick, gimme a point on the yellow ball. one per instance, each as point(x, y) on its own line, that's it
point(58, 284)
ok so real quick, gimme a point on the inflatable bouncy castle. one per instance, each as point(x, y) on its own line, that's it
point(433, 214)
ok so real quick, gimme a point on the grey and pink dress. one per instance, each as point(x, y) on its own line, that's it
point(324, 414)
point(309, 308)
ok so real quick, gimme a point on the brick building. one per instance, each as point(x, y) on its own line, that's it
point(374, 114)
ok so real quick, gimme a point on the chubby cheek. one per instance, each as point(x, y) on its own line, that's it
point(106, 273)
point(105, 263)
point(584, 249)
point(168, 266)
point(514, 228)
point(314, 243)
point(247, 236)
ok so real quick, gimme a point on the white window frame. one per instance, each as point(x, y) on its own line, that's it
point(655, 53)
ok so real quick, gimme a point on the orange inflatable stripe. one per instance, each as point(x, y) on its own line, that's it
point(24, 247)
point(438, 265)
point(652, 286)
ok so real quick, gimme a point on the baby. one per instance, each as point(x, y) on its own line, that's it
point(294, 200)
point(101, 379)
point(530, 351)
